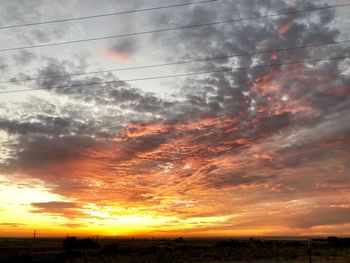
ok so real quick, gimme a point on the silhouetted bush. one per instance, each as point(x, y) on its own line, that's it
point(295, 244)
point(69, 244)
point(231, 243)
point(338, 242)
point(333, 240)
point(88, 243)
point(179, 240)
point(110, 250)
point(72, 243)
point(23, 258)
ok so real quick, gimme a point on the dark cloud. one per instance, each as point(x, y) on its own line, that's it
point(112, 93)
point(239, 38)
point(66, 209)
point(127, 46)
point(323, 216)
point(45, 125)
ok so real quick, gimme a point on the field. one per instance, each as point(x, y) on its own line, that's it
point(110, 250)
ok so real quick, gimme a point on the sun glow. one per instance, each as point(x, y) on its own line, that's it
point(21, 217)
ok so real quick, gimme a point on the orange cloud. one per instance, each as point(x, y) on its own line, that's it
point(204, 170)
point(274, 56)
point(285, 27)
point(336, 91)
point(115, 55)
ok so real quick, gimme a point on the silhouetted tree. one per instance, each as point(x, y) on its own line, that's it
point(70, 243)
point(333, 240)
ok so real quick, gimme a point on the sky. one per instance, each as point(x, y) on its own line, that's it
point(246, 149)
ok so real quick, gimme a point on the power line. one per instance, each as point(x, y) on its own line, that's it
point(107, 14)
point(174, 28)
point(178, 62)
point(179, 75)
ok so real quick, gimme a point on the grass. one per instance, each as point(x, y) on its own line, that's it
point(13, 250)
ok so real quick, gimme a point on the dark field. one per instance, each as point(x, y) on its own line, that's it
point(173, 250)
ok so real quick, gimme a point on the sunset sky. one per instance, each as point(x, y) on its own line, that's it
point(242, 150)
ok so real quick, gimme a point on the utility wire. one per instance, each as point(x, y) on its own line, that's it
point(174, 28)
point(108, 14)
point(179, 75)
point(178, 62)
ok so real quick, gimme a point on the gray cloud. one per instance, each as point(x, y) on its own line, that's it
point(323, 216)
point(23, 57)
point(23, 12)
point(127, 46)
